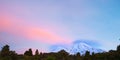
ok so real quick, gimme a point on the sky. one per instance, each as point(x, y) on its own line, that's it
point(39, 24)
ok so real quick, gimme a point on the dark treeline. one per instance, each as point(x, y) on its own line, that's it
point(7, 54)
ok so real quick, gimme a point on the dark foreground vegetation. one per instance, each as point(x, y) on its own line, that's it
point(6, 54)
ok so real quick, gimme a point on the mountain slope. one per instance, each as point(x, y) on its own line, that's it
point(80, 47)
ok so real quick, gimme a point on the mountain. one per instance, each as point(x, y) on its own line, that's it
point(80, 47)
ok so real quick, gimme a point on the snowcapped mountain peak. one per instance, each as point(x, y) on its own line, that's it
point(83, 47)
point(80, 47)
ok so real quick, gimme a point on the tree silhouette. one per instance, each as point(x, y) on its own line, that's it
point(78, 56)
point(87, 55)
point(37, 52)
point(29, 52)
point(13, 55)
point(93, 56)
point(63, 54)
point(6, 54)
point(5, 51)
point(118, 48)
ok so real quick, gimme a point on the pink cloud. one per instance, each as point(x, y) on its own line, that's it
point(19, 27)
point(41, 34)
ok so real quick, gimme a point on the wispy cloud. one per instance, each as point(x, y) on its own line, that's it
point(17, 27)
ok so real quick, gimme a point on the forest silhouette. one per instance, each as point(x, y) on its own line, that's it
point(7, 54)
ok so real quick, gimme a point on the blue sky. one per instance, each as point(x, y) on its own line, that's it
point(39, 24)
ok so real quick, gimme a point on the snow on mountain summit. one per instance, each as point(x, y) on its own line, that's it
point(80, 47)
